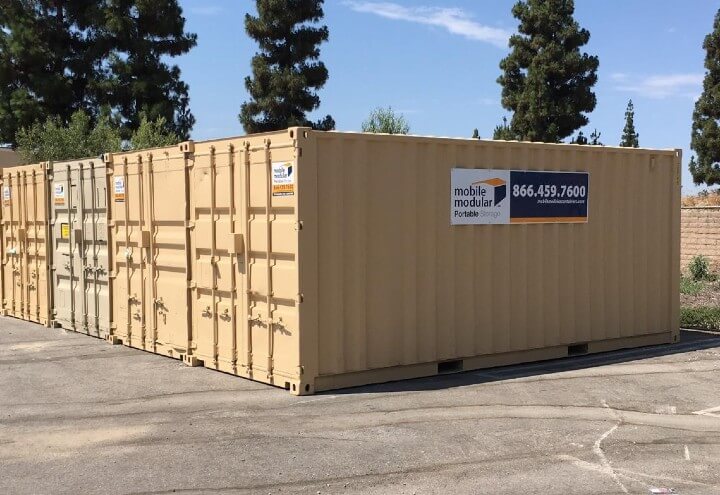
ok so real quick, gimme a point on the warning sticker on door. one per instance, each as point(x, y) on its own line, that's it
point(59, 194)
point(65, 231)
point(119, 189)
point(283, 179)
point(6, 195)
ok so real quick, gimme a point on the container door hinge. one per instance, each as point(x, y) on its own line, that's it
point(192, 284)
point(298, 225)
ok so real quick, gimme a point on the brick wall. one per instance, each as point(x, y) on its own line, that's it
point(700, 234)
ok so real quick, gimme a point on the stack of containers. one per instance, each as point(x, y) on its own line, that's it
point(313, 261)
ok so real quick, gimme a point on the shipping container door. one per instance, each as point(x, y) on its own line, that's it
point(35, 240)
point(65, 238)
point(218, 262)
point(129, 250)
point(168, 276)
point(270, 172)
point(12, 284)
point(80, 282)
point(94, 254)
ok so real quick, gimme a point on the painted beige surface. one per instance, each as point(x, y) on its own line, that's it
point(9, 158)
point(150, 251)
point(24, 216)
point(387, 282)
point(701, 235)
point(358, 277)
point(78, 204)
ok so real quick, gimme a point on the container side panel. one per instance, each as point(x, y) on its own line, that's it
point(398, 285)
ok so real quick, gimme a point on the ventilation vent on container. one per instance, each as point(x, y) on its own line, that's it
point(577, 349)
point(450, 367)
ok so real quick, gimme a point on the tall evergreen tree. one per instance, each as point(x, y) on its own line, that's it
point(47, 54)
point(705, 137)
point(630, 138)
point(287, 71)
point(547, 81)
point(138, 36)
point(61, 56)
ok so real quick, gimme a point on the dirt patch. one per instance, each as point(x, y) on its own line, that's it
point(708, 296)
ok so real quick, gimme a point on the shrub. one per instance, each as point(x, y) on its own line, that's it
point(690, 287)
point(700, 268)
point(703, 318)
point(386, 121)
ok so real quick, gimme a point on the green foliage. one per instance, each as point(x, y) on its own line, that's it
point(43, 63)
point(476, 134)
point(58, 57)
point(152, 134)
point(594, 139)
point(138, 36)
point(630, 138)
point(52, 140)
point(699, 268)
point(287, 69)
point(503, 132)
point(690, 287)
point(579, 139)
point(546, 80)
point(386, 121)
point(705, 137)
point(702, 318)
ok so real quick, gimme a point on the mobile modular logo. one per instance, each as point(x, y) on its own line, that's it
point(479, 194)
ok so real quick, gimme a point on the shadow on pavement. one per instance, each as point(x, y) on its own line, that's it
point(690, 340)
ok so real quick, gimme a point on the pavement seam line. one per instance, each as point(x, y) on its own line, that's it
point(597, 448)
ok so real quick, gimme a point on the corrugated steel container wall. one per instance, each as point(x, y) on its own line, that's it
point(149, 246)
point(191, 279)
point(78, 205)
point(351, 272)
point(24, 218)
point(388, 284)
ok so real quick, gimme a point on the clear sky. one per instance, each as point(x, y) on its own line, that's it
point(437, 63)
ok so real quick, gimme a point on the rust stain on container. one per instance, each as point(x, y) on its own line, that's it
point(24, 231)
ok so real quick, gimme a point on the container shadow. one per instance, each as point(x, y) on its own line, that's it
point(690, 340)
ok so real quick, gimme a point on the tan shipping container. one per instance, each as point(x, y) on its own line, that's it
point(314, 261)
point(79, 235)
point(24, 230)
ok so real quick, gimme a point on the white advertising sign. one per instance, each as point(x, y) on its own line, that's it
point(479, 196)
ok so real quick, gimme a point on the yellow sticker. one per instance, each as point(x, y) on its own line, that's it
point(65, 231)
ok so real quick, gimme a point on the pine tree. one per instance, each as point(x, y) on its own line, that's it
point(61, 56)
point(547, 81)
point(287, 69)
point(139, 36)
point(46, 59)
point(629, 136)
point(503, 132)
point(579, 139)
point(705, 137)
point(476, 134)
